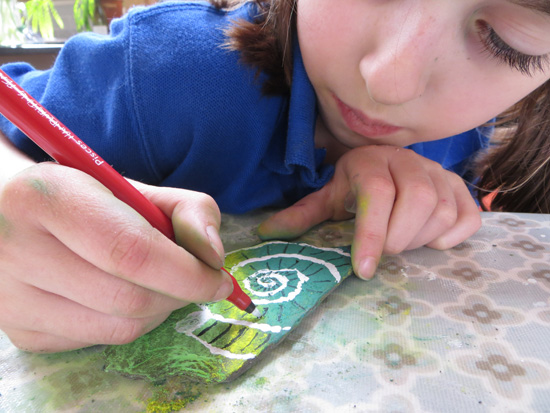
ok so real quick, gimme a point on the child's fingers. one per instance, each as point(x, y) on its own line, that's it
point(298, 218)
point(107, 233)
point(196, 219)
point(428, 211)
point(468, 221)
point(420, 196)
point(72, 322)
point(83, 283)
point(38, 342)
point(445, 214)
point(374, 200)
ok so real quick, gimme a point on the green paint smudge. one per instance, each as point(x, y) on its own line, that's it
point(71, 386)
point(163, 401)
point(40, 186)
point(5, 227)
point(363, 205)
point(261, 381)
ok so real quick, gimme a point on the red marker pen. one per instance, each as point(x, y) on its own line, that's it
point(66, 148)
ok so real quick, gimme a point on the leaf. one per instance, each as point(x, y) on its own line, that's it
point(56, 16)
point(41, 14)
point(84, 12)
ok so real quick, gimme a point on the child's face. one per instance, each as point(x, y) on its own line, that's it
point(399, 72)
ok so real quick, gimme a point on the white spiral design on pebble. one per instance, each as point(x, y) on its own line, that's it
point(274, 282)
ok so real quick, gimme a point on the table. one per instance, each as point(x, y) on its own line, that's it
point(462, 330)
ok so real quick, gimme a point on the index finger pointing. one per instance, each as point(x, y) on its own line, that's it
point(374, 201)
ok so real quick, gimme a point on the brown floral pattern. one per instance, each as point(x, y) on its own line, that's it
point(394, 307)
point(500, 367)
point(398, 358)
point(512, 223)
point(539, 272)
point(469, 274)
point(393, 269)
point(507, 374)
point(483, 315)
point(394, 356)
point(528, 246)
point(469, 247)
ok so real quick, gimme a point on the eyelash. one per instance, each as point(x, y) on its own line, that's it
point(526, 64)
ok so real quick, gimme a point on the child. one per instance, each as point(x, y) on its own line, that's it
point(262, 103)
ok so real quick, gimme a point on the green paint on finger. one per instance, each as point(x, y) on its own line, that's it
point(363, 204)
point(5, 227)
point(40, 185)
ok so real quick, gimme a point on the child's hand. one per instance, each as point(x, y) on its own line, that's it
point(79, 267)
point(401, 201)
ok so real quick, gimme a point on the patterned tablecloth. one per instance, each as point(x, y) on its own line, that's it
point(463, 330)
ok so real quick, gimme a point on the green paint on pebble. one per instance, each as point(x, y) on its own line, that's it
point(217, 342)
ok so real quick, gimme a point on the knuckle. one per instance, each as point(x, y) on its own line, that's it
point(125, 331)
point(130, 250)
point(204, 201)
point(446, 214)
point(424, 193)
point(393, 247)
point(33, 188)
point(372, 238)
point(382, 185)
point(20, 189)
point(131, 301)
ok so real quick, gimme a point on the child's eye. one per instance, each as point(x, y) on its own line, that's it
point(526, 64)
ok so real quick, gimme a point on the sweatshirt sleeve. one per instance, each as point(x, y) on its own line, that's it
point(89, 90)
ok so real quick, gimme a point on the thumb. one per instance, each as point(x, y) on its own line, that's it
point(196, 220)
point(298, 218)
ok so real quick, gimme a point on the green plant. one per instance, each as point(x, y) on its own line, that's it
point(84, 14)
point(19, 21)
point(41, 14)
point(12, 22)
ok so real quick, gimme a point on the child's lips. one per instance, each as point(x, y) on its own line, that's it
point(360, 123)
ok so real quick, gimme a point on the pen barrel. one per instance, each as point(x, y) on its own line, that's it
point(67, 149)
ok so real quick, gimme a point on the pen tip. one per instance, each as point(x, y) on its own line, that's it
point(251, 309)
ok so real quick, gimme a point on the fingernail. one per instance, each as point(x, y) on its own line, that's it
point(226, 287)
point(367, 268)
point(350, 203)
point(215, 243)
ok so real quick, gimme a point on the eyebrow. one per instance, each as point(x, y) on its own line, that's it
point(538, 5)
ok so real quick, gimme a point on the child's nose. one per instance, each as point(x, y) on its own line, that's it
point(400, 68)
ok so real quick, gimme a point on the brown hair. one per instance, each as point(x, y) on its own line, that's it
point(516, 167)
point(266, 43)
